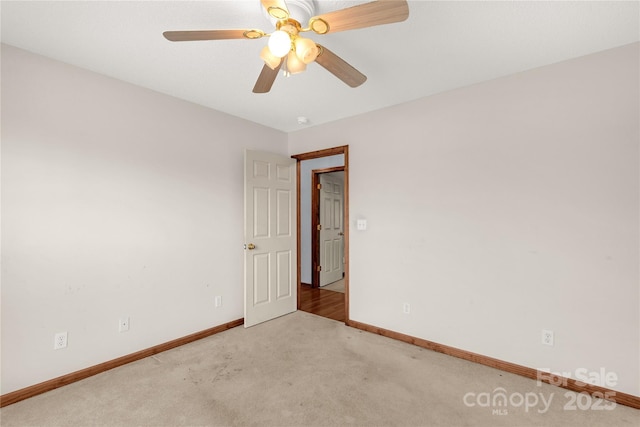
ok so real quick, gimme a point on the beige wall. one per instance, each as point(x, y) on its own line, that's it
point(502, 209)
point(116, 201)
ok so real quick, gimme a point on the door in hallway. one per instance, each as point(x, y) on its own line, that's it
point(332, 228)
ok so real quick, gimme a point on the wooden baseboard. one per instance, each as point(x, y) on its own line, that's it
point(34, 390)
point(568, 383)
point(557, 380)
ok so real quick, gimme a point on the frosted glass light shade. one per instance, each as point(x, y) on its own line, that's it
point(306, 50)
point(269, 58)
point(294, 64)
point(279, 43)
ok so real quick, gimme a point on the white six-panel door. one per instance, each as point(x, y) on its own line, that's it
point(270, 264)
point(331, 233)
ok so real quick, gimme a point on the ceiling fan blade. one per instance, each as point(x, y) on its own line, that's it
point(361, 16)
point(276, 8)
point(340, 68)
point(181, 36)
point(266, 78)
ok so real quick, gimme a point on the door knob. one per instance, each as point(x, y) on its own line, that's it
point(250, 246)
point(341, 234)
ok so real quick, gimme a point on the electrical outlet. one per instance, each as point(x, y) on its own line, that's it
point(218, 301)
point(123, 324)
point(60, 340)
point(406, 308)
point(547, 337)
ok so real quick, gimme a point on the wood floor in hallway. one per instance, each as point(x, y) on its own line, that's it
point(322, 302)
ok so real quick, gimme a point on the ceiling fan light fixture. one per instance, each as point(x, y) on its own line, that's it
point(269, 58)
point(294, 64)
point(279, 43)
point(306, 50)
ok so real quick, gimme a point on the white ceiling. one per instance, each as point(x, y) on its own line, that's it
point(442, 46)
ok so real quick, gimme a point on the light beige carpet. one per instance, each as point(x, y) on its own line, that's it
point(303, 370)
point(335, 286)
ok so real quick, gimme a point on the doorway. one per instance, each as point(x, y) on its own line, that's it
point(326, 303)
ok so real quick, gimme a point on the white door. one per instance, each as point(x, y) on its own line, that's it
point(270, 264)
point(331, 231)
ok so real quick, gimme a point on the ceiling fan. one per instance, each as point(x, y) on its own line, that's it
point(287, 49)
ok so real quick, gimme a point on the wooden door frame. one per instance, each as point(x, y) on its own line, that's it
point(315, 220)
point(344, 150)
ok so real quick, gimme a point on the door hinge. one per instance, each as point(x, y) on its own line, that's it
point(319, 227)
point(319, 186)
point(319, 268)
